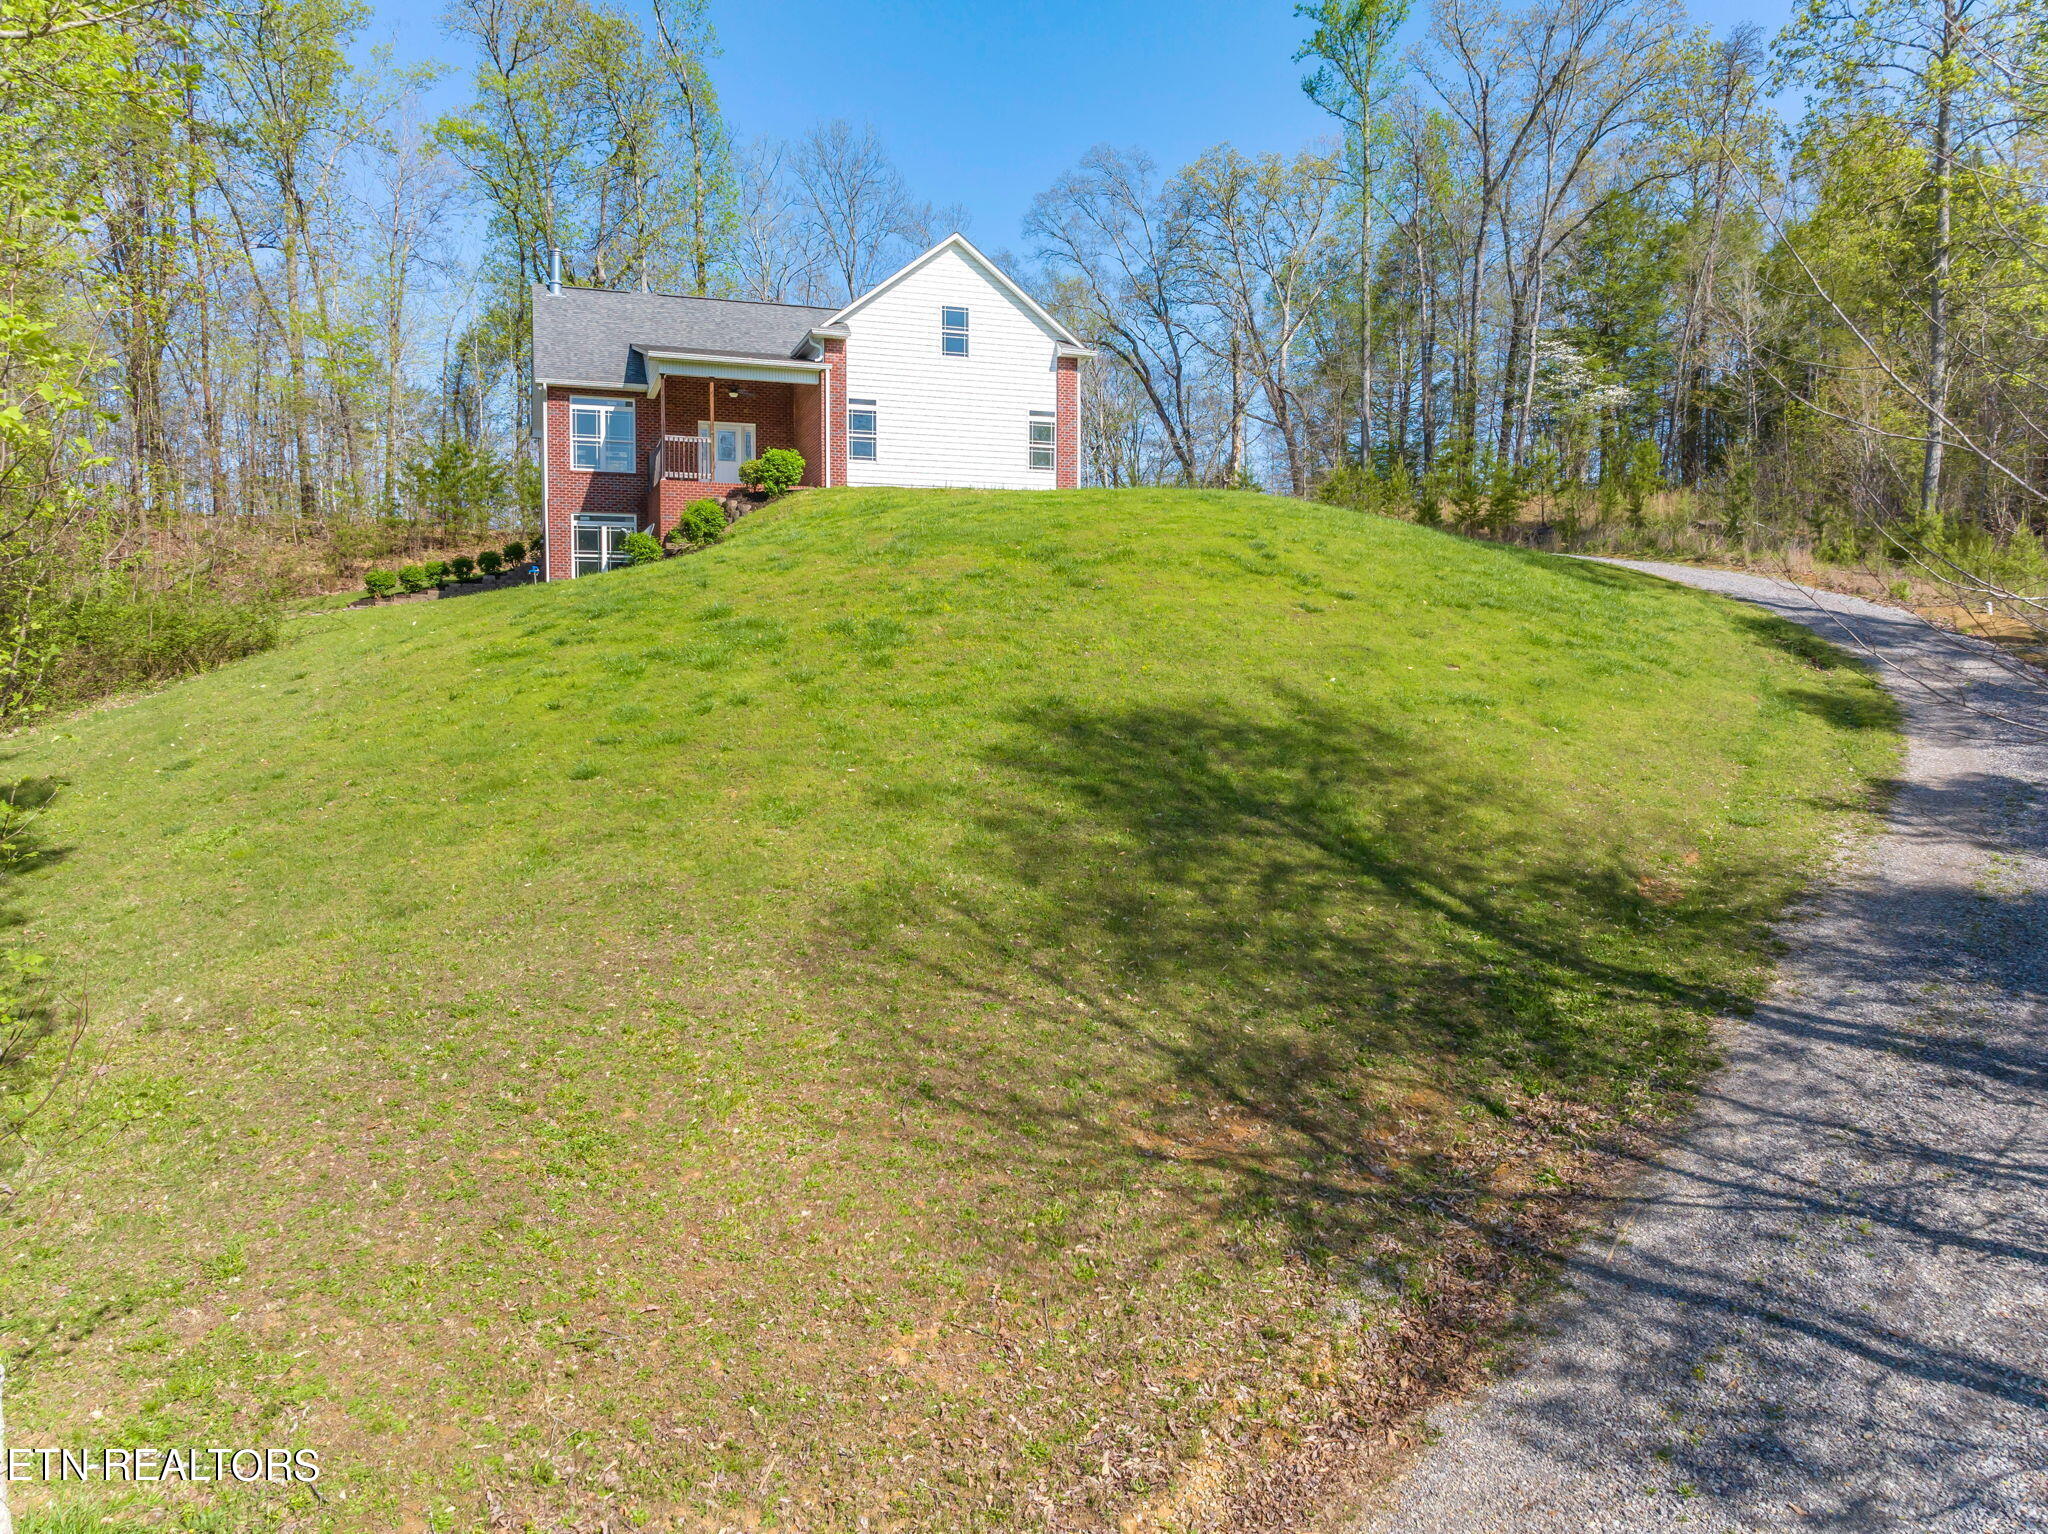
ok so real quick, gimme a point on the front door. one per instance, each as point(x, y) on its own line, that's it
point(732, 444)
point(600, 542)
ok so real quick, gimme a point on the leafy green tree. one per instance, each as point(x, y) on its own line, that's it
point(1352, 42)
point(708, 192)
point(456, 488)
point(1615, 299)
point(283, 67)
point(73, 92)
point(1956, 79)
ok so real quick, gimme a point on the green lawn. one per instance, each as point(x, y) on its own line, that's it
point(970, 1009)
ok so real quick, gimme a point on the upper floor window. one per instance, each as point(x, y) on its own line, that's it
point(860, 428)
point(953, 331)
point(601, 435)
point(1041, 440)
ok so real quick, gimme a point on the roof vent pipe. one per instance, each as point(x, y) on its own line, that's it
point(555, 269)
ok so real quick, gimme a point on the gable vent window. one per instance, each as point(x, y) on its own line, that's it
point(953, 332)
point(860, 429)
point(601, 435)
point(1041, 439)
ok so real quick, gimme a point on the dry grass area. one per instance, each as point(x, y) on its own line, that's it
point(1671, 529)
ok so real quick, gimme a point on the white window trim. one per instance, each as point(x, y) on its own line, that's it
point(950, 332)
point(872, 438)
point(624, 522)
point(1050, 446)
point(609, 456)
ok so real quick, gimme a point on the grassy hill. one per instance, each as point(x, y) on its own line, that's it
point(973, 1010)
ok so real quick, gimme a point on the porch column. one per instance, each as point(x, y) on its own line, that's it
point(833, 382)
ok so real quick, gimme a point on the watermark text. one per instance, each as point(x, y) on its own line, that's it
point(149, 1463)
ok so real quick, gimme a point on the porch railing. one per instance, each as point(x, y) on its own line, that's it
point(679, 458)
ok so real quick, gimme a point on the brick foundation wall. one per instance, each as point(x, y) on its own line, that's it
point(570, 490)
point(1066, 432)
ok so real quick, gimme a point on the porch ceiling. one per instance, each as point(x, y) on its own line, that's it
point(662, 363)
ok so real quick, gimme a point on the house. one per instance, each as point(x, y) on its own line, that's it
point(946, 374)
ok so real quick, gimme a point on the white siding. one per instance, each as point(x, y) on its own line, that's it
point(950, 420)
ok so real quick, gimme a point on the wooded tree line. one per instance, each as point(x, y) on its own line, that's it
point(1571, 255)
point(264, 315)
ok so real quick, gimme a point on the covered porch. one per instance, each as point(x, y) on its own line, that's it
point(715, 413)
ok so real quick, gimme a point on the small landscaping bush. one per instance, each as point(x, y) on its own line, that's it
point(641, 548)
point(775, 471)
point(515, 552)
point(701, 522)
point(415, 578)
point(381, 583)
point(490, 561)
point(437, 572)
point(462, 567)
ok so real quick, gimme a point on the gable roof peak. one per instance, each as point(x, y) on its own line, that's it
point(956, 241)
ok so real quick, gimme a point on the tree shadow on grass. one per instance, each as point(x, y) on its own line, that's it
point(1301, 947)
point(29, 1021)
point(23, 846)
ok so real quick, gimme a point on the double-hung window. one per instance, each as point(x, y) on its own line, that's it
point(1041, 439)
point(601, 435)
point(953, 331)
point(860, 429)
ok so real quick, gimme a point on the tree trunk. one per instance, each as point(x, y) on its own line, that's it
point(1938, 297)
point(1365, 295)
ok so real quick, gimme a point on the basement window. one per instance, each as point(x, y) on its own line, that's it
point(860, 429)
point(953, 332)
point(1041, 439)
point(601, 435)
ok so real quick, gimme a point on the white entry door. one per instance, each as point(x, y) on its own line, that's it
point(732, 444)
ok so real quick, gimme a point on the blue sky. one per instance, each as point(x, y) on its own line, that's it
point(984, 102)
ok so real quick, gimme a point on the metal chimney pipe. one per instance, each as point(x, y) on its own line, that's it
point(555, 269)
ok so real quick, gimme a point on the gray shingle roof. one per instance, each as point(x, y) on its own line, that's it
point(583, 335)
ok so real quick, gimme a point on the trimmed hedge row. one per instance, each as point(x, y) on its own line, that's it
point(433, 574)
point(776, 471)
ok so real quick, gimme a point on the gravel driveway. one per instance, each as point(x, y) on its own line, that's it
point(1828, 1306)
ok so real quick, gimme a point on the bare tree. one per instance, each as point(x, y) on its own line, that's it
point(1542, 96)
point(774, 253)
point(411, 197)
point(1264, 255)
point(1120, 249)
point(861, 214)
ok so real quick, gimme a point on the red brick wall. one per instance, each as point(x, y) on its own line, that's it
point(805, 417)
point(1066, 431)
point(782, 415)
point(771, 408)
point(768, 407)
point(835, 355)
point(570, 491)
